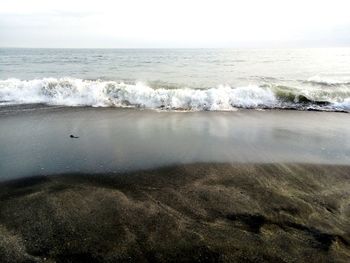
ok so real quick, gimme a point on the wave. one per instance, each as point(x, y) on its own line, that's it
point(328, 81)
point(98, 93)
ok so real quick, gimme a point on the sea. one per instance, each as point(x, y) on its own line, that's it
point(178, 79)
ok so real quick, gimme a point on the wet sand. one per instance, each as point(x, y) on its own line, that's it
point(146, 186)
point(190, 213)
point(36, 140)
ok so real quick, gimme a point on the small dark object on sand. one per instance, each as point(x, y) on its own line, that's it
point(72, 136)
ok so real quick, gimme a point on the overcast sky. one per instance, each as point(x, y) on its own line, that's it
point(177, 23)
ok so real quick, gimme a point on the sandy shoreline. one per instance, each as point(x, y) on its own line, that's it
point(35, 140)
point(245, 186)
point(196, 212)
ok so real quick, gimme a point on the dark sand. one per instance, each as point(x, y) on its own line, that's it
point(188, 213)
point(227, 194)
point(35, 140)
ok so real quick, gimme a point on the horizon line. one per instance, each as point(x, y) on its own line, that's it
point(248, 47)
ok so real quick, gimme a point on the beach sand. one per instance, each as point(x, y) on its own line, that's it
point(35, 140)
point(146, 186)
point(193, 213)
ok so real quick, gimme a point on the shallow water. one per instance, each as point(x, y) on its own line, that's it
point(37, 142)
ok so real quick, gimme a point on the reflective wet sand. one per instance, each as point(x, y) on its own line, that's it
point(36, 140)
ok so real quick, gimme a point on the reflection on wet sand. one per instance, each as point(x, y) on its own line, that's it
point(114, 140)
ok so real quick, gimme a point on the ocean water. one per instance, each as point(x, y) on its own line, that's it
point(178, 79)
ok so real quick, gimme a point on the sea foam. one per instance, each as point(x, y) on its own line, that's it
point(98, 93)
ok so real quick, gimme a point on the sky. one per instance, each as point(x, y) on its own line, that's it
point(174, 24)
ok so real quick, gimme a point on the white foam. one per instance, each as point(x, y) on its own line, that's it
point(97, 93)
point(345, 105)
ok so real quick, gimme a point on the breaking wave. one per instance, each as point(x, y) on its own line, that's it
point(98, 93)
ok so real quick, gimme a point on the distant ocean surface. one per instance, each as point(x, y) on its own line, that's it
point(178, 79)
